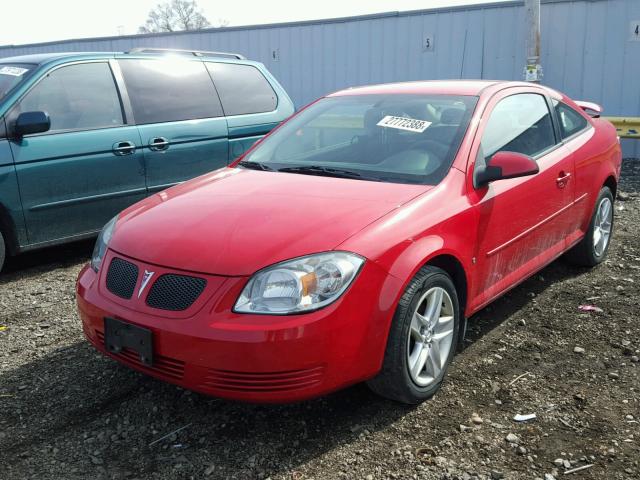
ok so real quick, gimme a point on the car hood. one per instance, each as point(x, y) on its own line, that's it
point(236, 221)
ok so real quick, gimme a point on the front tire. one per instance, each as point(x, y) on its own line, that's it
point(422, 339)
point(593, 248)
point(3, 251)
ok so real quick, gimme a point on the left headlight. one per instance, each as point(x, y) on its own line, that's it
point(299, 285)
point(102, 243)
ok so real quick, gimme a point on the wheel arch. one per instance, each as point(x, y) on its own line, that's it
point(8, 230)
point(612, 183)
point(455, 270)
point(438, 256)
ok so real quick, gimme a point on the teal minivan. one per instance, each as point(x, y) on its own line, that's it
point(85, 135)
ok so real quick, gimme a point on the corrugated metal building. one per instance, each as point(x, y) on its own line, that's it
point(590, 49)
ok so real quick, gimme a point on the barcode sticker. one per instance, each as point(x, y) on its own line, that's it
point(13, 71)
point(402, 123)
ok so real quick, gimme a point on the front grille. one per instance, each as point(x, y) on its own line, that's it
point(263, 381)
point(121, 278)
point(167, 366)
point(175, 292)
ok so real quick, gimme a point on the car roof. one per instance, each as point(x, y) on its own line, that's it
point(38, 58)
point(42, 58)
point(432, 87)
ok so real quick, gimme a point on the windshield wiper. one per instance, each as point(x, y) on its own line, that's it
point(325, 171)
point(255, 166)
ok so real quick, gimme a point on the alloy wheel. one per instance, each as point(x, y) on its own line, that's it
point(430, 336)
point(602, 226)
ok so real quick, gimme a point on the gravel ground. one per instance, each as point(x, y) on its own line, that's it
point(67, 412)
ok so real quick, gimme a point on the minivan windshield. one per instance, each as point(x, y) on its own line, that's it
point(385, 138)
point(11, 74)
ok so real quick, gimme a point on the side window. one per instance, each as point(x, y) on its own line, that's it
point(242, 88)
point(166, 90)
point(77, 97)
point(519, 123)
point(570, 121)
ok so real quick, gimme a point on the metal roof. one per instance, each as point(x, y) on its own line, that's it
point(324, 21)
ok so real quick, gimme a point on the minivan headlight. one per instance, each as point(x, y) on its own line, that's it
point(299, 285)
point(102, 243)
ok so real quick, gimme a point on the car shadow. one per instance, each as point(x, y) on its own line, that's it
point(89, 407)
point(74, 407)
point(494, 314)
point(36, 262)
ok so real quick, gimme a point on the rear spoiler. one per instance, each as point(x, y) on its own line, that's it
point(592, 109)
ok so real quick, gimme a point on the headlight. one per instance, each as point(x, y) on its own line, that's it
point(102, 243)
point(299, 285)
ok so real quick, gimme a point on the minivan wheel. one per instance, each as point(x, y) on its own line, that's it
point(422, 339)
point(593, 248)
point(3, 251)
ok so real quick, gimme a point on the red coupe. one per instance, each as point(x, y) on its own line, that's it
point(352, 242)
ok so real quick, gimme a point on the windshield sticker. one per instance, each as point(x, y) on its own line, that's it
point(13, 71)
point(402, 123)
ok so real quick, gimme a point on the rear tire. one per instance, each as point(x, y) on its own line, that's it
point(422, 339)
point(593, 248)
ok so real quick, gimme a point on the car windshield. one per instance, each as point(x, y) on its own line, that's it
point(11, 74)
point(388, 138)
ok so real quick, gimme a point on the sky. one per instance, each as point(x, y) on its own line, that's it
point(31, 21)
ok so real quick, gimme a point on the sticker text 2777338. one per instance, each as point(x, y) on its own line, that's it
point(402, 123)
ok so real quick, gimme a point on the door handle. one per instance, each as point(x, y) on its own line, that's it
point(563, 179)
point(158, 143)
point(124, 148)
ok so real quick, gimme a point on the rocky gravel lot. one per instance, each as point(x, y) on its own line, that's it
point(67, 412)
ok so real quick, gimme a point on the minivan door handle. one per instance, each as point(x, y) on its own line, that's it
point(124, 148)
point(158, 143)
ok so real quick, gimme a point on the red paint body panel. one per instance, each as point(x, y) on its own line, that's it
point(226, 225)
point(239, 221)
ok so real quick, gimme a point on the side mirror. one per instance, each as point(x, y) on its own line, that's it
point(505, 165)
point(31, 122)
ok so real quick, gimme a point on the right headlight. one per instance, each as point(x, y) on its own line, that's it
point(299, 285)
point(102, 243)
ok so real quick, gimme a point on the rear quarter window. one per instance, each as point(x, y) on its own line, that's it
point(571, 122)
point(243, 89)
point(166, 90)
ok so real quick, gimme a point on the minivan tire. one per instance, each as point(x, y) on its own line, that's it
point(585, 253)
point(3, 251)
point(396, 381)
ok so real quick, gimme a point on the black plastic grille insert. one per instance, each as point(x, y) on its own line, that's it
point(121, 278)
point(175, 292)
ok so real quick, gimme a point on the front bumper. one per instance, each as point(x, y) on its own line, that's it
point(257, 358)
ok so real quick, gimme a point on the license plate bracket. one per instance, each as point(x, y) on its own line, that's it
point(119, 335)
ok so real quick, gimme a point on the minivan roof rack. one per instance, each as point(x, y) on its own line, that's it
point(195, 53)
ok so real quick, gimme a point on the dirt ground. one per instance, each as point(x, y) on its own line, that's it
point(68, 412)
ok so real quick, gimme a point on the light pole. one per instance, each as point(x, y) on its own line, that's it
point(533, 69)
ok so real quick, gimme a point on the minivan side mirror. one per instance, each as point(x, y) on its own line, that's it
point(31, 122)
point(505, 165)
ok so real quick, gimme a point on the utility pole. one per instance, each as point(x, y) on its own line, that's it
point(533, 69)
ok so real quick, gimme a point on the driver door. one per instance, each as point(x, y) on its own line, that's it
point(523, 222)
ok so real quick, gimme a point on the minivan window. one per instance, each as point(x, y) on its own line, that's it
point(76, 97)
point(519, 123)
point(242, 88)
point(171, 89)
point(385, 138)
point(570, 121)
point(11, 74)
